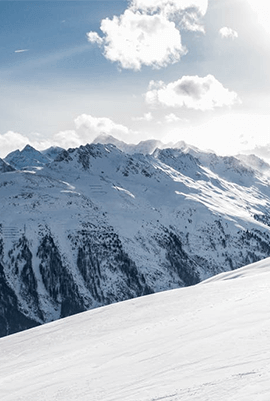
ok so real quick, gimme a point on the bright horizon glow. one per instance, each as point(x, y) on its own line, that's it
point(262, 9)
point(228, 135)
point(225, 135)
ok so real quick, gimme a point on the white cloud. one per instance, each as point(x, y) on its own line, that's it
point(67, 139)
point(10, 141)
point(135, 39)
point(170, 7)
point(225, 134)
point(191, 22)
point(93, 37)
point(172, 118)
point(147, 34)
point(229, 33)
point(21, 50)
point(145, 117)
point(89, 127)
point(260, 151)
point(192, 92)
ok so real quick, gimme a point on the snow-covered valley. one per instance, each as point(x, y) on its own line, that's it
point(205, 342)
point(95, 225)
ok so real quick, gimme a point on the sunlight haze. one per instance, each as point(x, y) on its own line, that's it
point(193, 71)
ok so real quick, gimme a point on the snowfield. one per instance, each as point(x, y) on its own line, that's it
point(201, 343)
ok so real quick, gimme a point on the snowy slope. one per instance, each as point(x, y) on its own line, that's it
point(5, 167)
point(98, 226)
point(201, 343)
point(52, 152)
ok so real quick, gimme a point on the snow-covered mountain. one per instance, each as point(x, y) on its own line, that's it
point(206, 342)
point(5, 167)
point(52, 152)
point(144, 147)
point(98, 225)
point(28, 157)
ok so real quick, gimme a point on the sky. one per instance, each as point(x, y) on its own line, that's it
point(174, 70)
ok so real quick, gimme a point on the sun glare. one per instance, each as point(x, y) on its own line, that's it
point(262, 9)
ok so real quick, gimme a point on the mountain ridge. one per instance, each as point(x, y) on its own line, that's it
point(97, 226)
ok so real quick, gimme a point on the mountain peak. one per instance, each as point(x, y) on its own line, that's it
point(145, 147)
point(25, 158)
point(29, 148)
point(52, 152)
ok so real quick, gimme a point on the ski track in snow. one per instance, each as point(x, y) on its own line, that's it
point(206, 342)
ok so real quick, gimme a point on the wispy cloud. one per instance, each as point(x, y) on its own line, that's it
point(21, 50)
point(41, 60)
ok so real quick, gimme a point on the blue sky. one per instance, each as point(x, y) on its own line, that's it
point(192, 70)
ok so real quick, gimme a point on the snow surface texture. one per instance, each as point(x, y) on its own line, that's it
point(98, 225)
point(205, 342)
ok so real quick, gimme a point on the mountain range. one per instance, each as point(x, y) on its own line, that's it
point(94, 225)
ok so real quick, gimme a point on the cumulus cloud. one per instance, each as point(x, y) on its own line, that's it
point(228, 33)
point(89, 127)
point(192, 92)
point(169, 7)
point(93, 37)
point(67, 139)
point(134, 39)
point(172, 118)
point(147, 33)
point(10, 141)
point(145, 117)
point(191, 22)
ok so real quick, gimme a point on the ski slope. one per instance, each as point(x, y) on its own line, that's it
point(201, 343)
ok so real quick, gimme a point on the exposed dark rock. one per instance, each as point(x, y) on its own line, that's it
point(178, 259)
point(57, 279)
point(11, 319)
point(108, 272)
point(5, 167)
